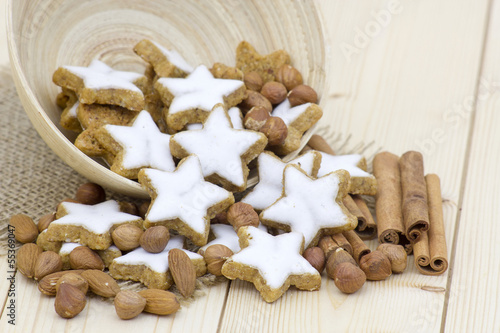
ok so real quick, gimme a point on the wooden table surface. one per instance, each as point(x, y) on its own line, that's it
point(402, 75)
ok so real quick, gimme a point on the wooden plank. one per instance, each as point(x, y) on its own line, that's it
point(35, 313)
point(4, 51)
point(474, 295)
point(407, 86)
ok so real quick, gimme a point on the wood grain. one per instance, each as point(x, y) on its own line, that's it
point(396, 91)
point(474, 294)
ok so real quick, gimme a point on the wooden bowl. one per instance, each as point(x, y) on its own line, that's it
point(46, 34)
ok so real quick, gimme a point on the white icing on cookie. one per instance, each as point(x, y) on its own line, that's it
point(235, 116)
point(308, 205)
point(66, 248)
point(98, 75)
point(225, 235)
point(72, 110)
point(288, 114)
point(95, 218)
point(219, 146)
point(275, 257)
point(175, 58)
point(144, 146)
point(184, 194)
point(199, 90)
point(270, 184)
point(157, 262)
point(330, 163)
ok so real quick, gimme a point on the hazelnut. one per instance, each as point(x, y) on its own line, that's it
point(376, 266)
point(126, 237)
point(255, 98)
point(253, 81)
point(275, 92)
point(348, 278)
point(396, 255)
point(275, 130)
point(316, 258)
point(220, 218)
point(129, 208)
point(155, 239)
point(289, 76)
point(336, 258)
point(90, 194)
point(241, 214)
point(143, 209)
point(45, 220)
point(215, 256)
point(256, 118)
point(70, 301)
point(302, 94)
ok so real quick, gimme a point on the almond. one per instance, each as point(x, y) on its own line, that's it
point(82, 257)
point(46, 263)
point(183, 271)
point(126, 237)
point(160, 302)
point(101, 283)
point(155, 239)
point(70, 301)
point(90, 194)
point(129, 304)
point(44, 221)
point(73, 279)
point(27, 256)
point(48, 284)
point(25, 230)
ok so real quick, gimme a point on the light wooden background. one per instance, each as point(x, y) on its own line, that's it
point(427, 78)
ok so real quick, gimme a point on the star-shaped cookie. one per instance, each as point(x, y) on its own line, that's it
point(166, 63)
point(224, 152)
point(223, 234)
point(182, 200)
point(89, 225)
point(191, 99)
point(270, 184)
point(311, 206)
point(152, 268)
point(271, 263)
point(101, 84)
point(248, 60)
point(362, 182)
point(298, 119)
point(138, 146)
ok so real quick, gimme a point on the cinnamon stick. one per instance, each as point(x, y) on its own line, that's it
point(414, 194)
point(342, 242)
point(359, 247)
point(368, 229)
point(328, 245)
point(317, 142)
point(431, 256)
point(353, 208)
point(388, 201)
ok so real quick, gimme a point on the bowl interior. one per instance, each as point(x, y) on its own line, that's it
point(46, 34)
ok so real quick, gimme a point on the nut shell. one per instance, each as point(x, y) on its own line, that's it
point(44, 221)
point(129, 304)
point(70, 301)
point(275, 130)
point(316, 258)
point(27, 256)
point(256, 118)
point(126, 237)
point(215, 256)
point(183, 271)
point(47, 262)
point(90, 194)
point(101, 283)
point(275, 92)
point(289, 76)
point(253, 81)
point(396, 255)
point(376, 266)
point(302, 94)
point(25, 230)
point(348, 278)
point(155, 239)
point(241, 214)
point(82, 257)
point(160, 302)
point(74, 279)
point(253, 99)
point(337, 257)
point(47, 285)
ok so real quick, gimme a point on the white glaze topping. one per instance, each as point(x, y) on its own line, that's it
point(288, 114)
point(330, 163)
point(175, 58)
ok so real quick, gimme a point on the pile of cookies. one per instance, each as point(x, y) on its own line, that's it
point(188, 135)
